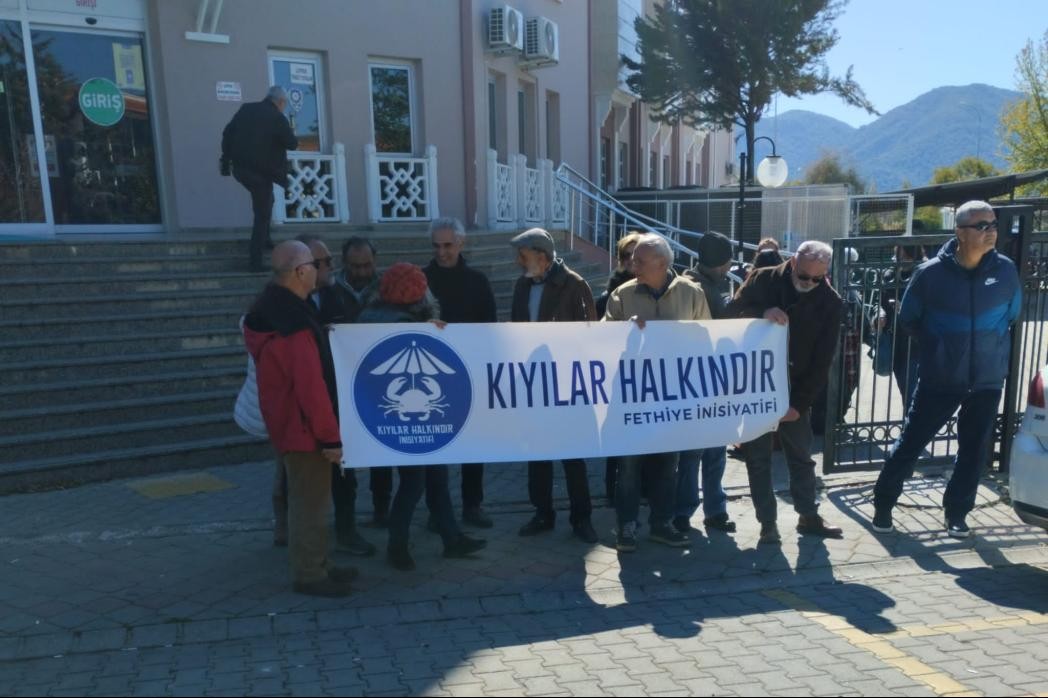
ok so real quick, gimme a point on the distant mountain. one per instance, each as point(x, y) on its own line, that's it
point(903, 145)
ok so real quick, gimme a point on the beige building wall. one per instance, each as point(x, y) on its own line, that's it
point(566, 84)
point(346, 34)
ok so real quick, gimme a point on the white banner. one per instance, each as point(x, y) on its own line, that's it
point(413, 394)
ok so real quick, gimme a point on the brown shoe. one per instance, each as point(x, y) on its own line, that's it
point(328, 588)
point(815, 526)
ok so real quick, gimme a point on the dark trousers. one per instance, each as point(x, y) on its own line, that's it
point(540, 489)
point(472, 486)
point(261, 189)
point(344, 493)
point(660, 472)
point(413, 480)
point(381, 486)
point(929, 411)
point(796, 438)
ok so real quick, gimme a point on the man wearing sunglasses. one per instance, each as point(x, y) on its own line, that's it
point(296, 393)
point(794, 293)
point(959, 308)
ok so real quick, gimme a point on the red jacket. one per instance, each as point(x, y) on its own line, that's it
point(281, 334)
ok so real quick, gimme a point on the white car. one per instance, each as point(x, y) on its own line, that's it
point(1029, 458)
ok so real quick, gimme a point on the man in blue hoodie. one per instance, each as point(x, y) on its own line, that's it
point(958, 307)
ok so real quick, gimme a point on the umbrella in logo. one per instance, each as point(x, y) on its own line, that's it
point(413, 361)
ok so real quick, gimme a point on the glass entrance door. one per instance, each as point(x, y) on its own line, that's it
point(94, 107)
point(21, 197)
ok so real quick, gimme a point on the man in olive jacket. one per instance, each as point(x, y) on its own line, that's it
point(795, 293)
point(657, 293)
point(548, 291)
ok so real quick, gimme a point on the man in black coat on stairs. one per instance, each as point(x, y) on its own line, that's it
point(254, 148)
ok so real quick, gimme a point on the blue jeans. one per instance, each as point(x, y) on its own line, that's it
point(660, 472)
point(929, 411)
point(714, 499)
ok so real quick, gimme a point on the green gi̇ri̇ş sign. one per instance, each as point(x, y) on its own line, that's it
point(101, 102)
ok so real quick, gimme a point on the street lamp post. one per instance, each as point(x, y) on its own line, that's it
point(771, 173)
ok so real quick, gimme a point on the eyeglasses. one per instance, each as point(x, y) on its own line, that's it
point(315, 263)
point(813, 279)
point(981, 226)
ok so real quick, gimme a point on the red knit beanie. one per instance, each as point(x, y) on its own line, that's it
point(403, 284)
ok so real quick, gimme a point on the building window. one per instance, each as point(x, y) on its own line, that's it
point(522, 120)
point(624, 165)
point(667, 173)
point(553, 127)
point(493, 121)
point(653, 170)
point(299, 75)
point(105, 167)
point(392, 102)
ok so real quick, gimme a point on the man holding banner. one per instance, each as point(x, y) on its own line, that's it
point(548, 291)
point(795, 293)
point(656, 293)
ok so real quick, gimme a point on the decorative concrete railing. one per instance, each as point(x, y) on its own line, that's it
point(520, 196)
point(401, 188)
point(316, 190)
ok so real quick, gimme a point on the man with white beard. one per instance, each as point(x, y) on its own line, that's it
point(795, 293)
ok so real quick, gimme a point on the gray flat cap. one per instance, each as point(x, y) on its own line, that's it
point(535, 239)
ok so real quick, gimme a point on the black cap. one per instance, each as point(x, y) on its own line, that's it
point(714, 249)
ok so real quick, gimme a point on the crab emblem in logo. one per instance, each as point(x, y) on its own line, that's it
point(413, 393)
point(419, 401)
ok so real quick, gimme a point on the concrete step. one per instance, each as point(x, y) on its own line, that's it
point(122, 387)
point(56, 306)
point(225, 244)
point(109, 321)
point(16, 448)
point(30, 373)
point(108, 412)
point(49, 472)
point(109, 345)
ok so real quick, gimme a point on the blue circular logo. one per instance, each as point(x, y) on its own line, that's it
point(413, 393)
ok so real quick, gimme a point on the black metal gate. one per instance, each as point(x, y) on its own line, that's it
point(868, 389)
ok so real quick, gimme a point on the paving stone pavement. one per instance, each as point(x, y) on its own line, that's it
point(105, 591)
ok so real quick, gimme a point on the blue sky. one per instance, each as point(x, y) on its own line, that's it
point(902, 48)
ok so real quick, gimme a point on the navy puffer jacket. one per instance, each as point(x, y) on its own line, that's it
point(960, 318)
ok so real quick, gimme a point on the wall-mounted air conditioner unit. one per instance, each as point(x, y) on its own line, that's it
point(505, 30)
point(541, 42)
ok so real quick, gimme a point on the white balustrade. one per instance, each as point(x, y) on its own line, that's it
point(401, 188)
point(316, 190)
point(519, 196)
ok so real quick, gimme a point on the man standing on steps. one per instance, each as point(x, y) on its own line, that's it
point(254, 149)
point(329, 309)
point(464, 295)
point(357, 286)
point(296, 391)
point(548, 291)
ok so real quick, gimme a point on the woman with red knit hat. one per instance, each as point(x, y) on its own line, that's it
point(404, 296)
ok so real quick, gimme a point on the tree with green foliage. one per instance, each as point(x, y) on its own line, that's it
point(963, 170)
point(1025, 124)
point(721, 62)
point(829, 170)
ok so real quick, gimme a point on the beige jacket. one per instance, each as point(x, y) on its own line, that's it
point(683, 300)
